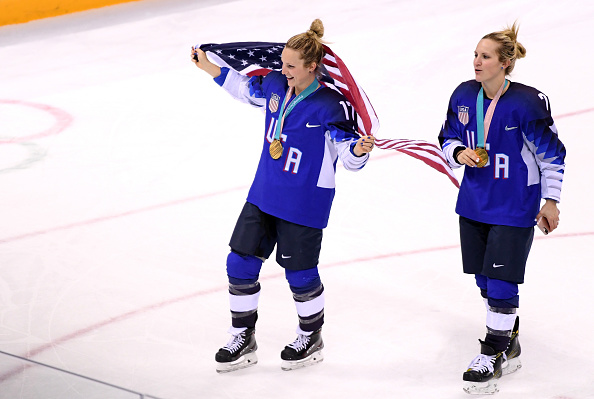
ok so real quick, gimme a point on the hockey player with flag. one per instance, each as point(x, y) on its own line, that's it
point(308, 127)
point(259, 58)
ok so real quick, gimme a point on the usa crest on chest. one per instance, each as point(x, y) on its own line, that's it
point(463, 114)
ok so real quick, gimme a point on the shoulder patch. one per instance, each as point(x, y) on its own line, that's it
point(273, 103)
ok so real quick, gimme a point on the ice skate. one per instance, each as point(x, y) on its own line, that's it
point(304, 351)
point(239, 353)
point(483, 372)
point(511, 362)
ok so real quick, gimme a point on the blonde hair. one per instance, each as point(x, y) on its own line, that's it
point(509, 47)
point(309, 44)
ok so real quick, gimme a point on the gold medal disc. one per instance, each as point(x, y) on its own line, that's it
point(276, 149)
point(483, 155)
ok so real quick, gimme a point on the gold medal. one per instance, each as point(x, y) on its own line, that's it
point(276, 149)
point(483, 155)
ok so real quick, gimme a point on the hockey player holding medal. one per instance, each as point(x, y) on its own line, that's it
point(504, 135)
point(308, 127)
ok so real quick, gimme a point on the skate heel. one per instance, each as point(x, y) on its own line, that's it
point(480, 388)
point(245, 361)
point(312, 359)
point(511, 366)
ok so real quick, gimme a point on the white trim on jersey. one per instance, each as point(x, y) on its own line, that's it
point(237, 86)
point(350, 161)
point(448, 151)
point(532, 164)
point(551, 176)
point(327, 178)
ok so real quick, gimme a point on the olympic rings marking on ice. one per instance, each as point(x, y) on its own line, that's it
point(34, 153)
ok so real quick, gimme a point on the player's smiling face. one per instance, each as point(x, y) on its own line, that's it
point(486, 61)
point(298, 75)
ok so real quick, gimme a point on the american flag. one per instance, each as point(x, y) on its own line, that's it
point(259, 58)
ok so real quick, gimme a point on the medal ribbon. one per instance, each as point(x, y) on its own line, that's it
point(483, 123)
point(283, 114)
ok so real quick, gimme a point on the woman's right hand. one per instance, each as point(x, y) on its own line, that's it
point(468, 157)
point(201, 60)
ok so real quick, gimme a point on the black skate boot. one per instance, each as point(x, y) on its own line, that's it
point(483, 371)
point(304, 351)
point(239, 353)
point(511, 360)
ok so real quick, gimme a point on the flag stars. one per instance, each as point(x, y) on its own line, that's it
point(250, 53)
point(262, 58)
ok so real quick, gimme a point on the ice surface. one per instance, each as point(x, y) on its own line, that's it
point(115, 223)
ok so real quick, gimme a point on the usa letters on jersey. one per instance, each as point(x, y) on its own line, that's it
point(299, 186)
point(526, 157)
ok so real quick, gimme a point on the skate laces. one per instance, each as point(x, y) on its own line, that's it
point(482, 363)
point(235, 343)
point(300, 343)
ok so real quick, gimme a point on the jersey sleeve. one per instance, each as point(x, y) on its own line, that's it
point(243, 88)
point(450, 136)
point(542, 139)
point(349, 160)
point(341, 129)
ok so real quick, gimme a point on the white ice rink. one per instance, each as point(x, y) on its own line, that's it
point(123, 169)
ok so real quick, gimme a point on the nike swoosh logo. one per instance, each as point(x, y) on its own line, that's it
point(308, 125)
point(510, 128)
point(494, 265)
point(285, 257)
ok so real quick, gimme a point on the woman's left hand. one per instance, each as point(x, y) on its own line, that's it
point(364, 145)
point(551, 213)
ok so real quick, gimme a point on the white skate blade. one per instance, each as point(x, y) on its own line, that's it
point(247, 360)
point(312, 359)
point(512, 365)
point(480, 388)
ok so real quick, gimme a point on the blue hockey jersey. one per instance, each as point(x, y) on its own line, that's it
point(299, 186)
point(526, 157)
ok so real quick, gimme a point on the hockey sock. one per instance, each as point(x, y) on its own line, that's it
point(308, 294)
point(497, 342)
point(310, 309)
point(243, 302)
point(244, 289)
point(500, 322)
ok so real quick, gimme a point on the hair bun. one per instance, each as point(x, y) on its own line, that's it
point(316, 28)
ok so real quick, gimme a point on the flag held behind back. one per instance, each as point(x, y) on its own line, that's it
point(259, 58)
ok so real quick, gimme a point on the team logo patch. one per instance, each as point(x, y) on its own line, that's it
point(273, 103)
point(463, 114)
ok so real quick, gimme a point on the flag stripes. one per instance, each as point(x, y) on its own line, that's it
point(259, 58)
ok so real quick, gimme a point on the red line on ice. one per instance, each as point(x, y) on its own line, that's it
point(173, 301)
point(63, 120)
point(159, 305)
